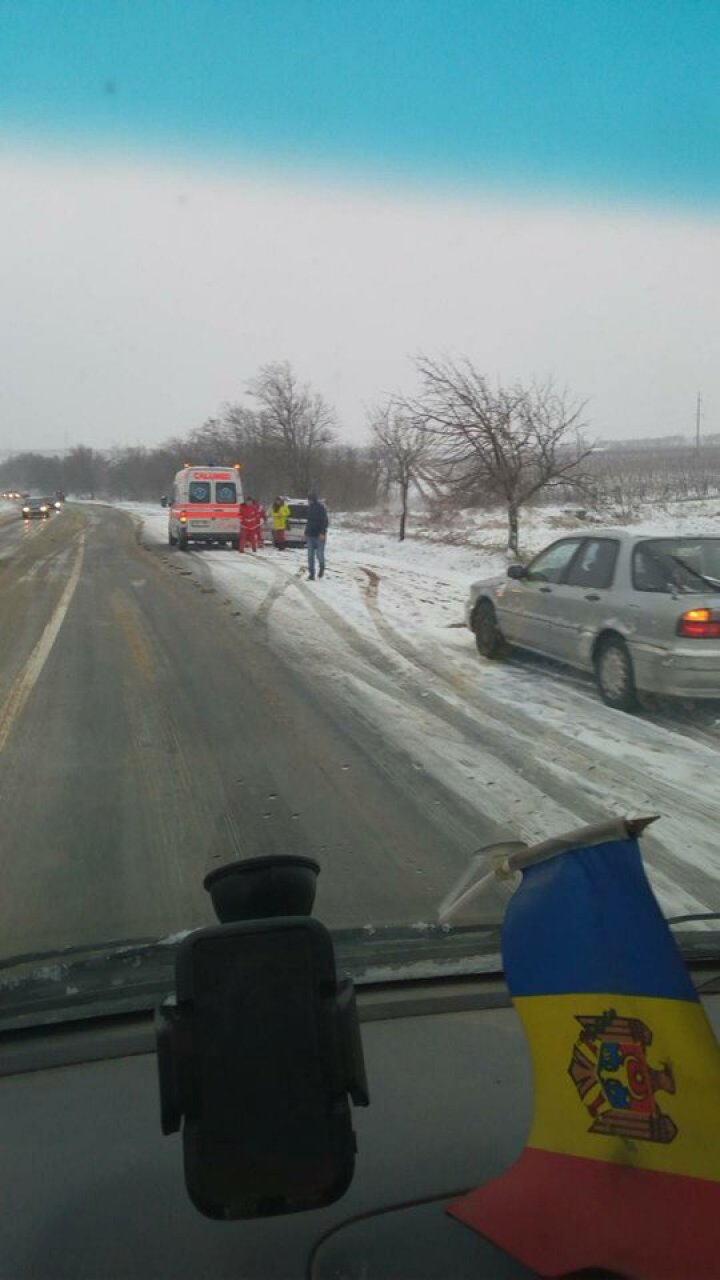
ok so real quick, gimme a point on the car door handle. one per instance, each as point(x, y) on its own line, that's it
point(546, 589)
point(591, 595)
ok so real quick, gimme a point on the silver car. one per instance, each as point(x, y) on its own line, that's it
point(641, 611)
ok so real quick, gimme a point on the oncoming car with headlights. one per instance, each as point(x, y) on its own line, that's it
point(35, 509)
point(640, 611)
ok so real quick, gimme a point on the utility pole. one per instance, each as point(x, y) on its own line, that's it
point(697, 423)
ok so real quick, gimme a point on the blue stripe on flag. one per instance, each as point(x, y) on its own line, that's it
point(588, 921)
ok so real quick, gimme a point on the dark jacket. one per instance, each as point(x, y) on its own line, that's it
point(317, 520)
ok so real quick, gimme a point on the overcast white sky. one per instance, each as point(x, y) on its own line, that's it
point(135, 298)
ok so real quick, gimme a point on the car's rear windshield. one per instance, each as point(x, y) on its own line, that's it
point(677, 564)
point(298, 510)
point(199, 491)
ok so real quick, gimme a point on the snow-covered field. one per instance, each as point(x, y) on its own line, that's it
point(528, 744)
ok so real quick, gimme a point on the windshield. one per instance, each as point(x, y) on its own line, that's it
point(446, 268)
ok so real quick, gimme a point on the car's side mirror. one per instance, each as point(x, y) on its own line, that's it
point(517, 571)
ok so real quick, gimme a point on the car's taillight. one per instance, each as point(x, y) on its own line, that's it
point(183, 519)
point(701, 624)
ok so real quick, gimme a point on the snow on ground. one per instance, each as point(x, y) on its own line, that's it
point(529, 744)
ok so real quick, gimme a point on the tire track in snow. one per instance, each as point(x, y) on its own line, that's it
point(571, 760)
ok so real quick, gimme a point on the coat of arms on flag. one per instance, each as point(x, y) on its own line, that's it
point(611, 1072)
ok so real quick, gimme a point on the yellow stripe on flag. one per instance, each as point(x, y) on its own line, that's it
point(634, 1080)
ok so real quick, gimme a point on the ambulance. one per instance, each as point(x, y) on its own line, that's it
point(205, 506)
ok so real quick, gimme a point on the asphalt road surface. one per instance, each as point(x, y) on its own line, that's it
point(148, 734)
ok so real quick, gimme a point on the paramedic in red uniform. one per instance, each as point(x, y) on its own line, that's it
point(248, 525)
point(261, 520)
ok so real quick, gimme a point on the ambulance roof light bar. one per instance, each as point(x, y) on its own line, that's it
point(238, 466)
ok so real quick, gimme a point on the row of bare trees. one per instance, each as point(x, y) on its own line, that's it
point(457, 441)
point(284, 434)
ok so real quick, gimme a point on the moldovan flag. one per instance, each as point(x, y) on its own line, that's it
point(622, 1165)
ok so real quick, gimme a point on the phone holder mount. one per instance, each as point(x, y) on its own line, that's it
point(260, 1048)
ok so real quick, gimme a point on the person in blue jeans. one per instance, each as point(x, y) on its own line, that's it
point(316, 534)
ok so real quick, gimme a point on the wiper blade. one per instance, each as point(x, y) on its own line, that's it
point(714, 583)
point(700, 915)
point(49, 986)
point(70, 954)
point(387, 947)
point(43, 988)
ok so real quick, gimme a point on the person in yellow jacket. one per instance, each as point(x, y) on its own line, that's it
point(280, 514)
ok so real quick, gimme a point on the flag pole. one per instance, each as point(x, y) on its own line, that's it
point(583, 838)
point(507, 866)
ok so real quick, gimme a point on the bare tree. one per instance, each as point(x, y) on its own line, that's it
point(506, 443)
point(295, 416)
point(403, 451)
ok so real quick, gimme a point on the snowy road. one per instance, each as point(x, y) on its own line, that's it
point(148, 733)
point(529, 747)
point(175, 711)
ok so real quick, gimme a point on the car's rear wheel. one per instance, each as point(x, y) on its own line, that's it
point(489, 639)
point(183, 540)
point(615, 675)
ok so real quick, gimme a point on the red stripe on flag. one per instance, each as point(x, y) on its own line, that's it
point(560, 1214)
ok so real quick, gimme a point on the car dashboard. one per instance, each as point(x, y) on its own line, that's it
point(90, 1187)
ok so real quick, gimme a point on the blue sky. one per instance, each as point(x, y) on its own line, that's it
point(616, 99)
